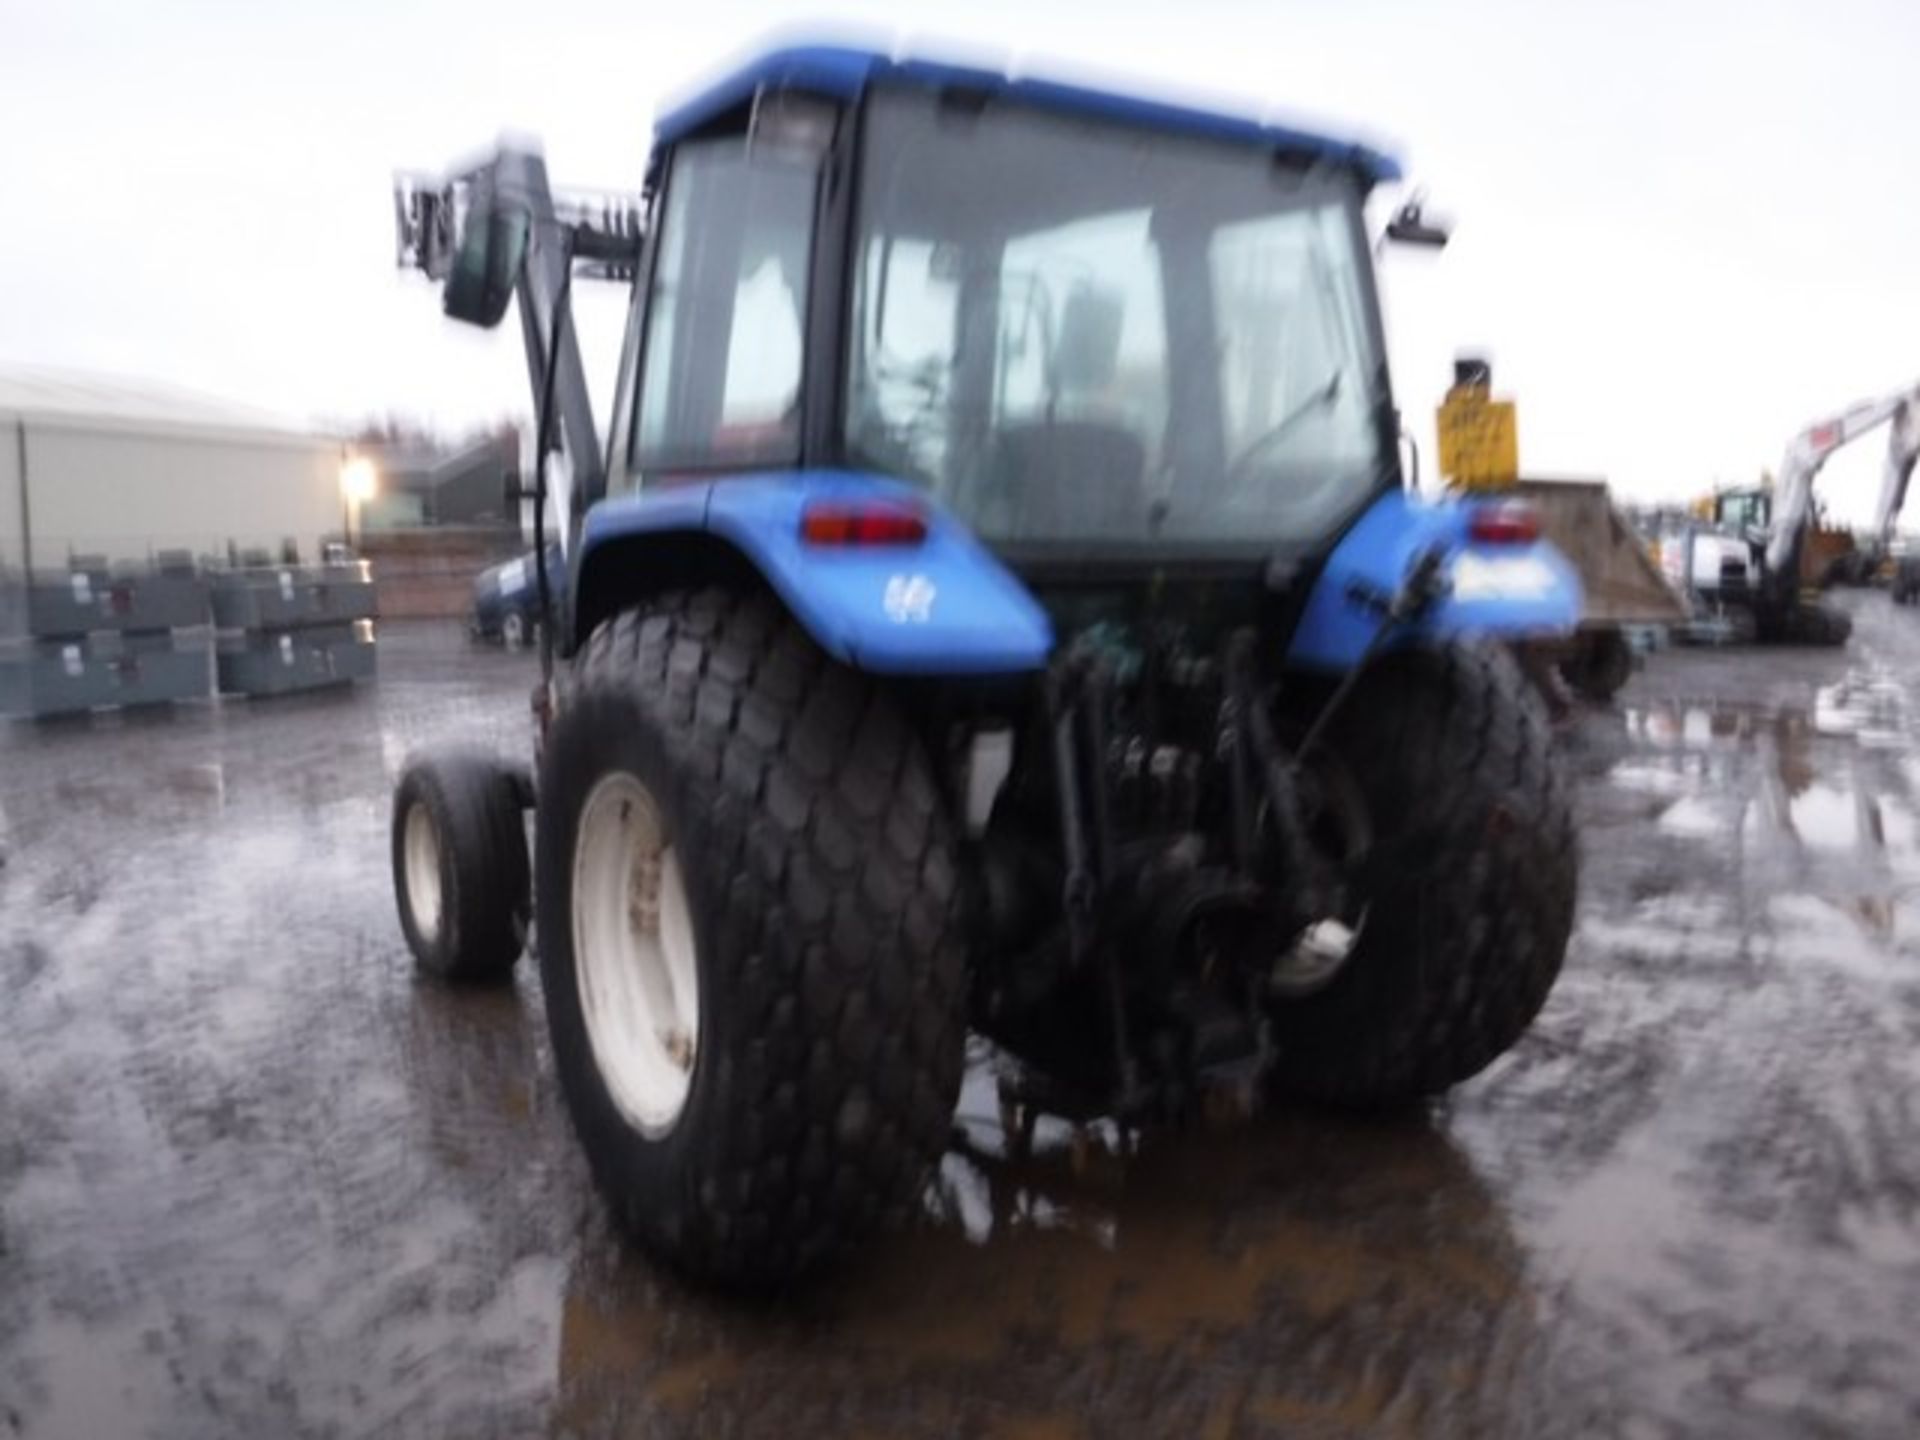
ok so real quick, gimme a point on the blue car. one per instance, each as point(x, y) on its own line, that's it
point(506, 598)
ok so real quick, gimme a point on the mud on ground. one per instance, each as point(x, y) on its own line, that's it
point(255, 1179)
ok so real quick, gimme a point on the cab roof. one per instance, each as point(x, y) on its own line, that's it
point(844, 73)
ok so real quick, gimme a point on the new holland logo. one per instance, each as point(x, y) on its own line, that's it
point(908, 599)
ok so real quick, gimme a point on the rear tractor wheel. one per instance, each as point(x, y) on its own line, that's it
point(1458, 884)
point(750, 950)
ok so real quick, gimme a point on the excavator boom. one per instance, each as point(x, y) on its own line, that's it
point(1810, 450)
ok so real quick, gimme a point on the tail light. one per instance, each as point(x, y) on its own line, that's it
point(1506, 523)
point(862, 523)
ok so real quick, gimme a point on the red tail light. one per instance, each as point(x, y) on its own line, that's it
point(1508, 523)
point(861, 523)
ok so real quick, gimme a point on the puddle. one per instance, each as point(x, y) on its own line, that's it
point(1830, 782)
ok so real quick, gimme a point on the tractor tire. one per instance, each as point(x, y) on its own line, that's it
point(1467, 883)
point(820, 1054)
point(459, 847)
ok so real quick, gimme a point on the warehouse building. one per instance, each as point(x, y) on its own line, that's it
point(121, 471)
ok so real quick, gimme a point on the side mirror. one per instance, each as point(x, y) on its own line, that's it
point(1087, 352)
point(457, 232)
point(490, 245)
point(1410, 226)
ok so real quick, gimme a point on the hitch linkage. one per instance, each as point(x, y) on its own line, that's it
point(1075, 693)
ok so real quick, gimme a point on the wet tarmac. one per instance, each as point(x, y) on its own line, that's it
point(256, 1180)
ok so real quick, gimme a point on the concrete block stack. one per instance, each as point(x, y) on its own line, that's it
point(287, 628)
point(97, 637)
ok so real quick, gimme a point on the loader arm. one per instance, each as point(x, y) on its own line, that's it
point(495, 231)
point(1810, 450)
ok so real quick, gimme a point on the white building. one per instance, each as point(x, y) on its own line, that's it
point(91, 466)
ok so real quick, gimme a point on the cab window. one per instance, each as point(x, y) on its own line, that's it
point(726, 311)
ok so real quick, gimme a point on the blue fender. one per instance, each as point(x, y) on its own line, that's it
point(1504, 590)
point(943, 606)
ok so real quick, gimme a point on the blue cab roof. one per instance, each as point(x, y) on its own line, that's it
point(842, 73)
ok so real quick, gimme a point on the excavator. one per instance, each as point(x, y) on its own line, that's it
point(1753, 555)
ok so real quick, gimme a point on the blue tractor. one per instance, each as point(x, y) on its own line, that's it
point(994, 608)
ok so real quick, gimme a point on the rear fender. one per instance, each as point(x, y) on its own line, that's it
point(1505, 591)
point(943, 606)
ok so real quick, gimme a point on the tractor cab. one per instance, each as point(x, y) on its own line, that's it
point(1078, 322)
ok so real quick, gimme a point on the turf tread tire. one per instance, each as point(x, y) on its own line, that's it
point(1471, 879)
point(820, 871)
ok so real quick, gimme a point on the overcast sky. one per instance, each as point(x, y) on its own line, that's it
point(1685, 229)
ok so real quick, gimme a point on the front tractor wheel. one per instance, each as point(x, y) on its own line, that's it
point(459, 850)
point(749, 942)
point(1461, 900)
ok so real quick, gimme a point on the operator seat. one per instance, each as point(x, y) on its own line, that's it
point(1064, 478)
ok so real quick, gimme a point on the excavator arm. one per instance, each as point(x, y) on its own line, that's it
point(1903, 449)
point(1809, 452)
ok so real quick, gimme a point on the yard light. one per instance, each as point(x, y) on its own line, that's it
point(359, 481)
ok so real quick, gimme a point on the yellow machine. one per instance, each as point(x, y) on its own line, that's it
point(1479, 435)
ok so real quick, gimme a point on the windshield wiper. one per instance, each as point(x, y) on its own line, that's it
point(1319, 398)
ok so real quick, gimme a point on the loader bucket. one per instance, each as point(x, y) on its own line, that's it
point(1621, 582)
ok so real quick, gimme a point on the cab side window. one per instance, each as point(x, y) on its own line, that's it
point(726, 316)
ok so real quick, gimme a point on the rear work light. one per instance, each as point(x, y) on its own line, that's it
point(1506, 523)
point(861, 523)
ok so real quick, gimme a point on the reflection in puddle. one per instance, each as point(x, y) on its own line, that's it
point(1870, 706)
point(1784, 789)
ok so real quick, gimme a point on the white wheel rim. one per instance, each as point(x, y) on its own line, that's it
point(513, 630)
point(633, 954)
point(1317, 957)
point(420, 850)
